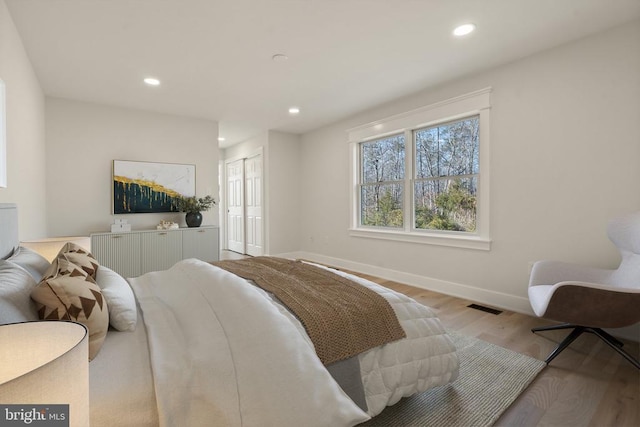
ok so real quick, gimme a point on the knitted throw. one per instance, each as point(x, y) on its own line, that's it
point(341, 317)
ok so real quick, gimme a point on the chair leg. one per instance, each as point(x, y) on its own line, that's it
point(554, 327)
point(613, 343)
point(565, 343)
point(606, 334)
point(577, 331)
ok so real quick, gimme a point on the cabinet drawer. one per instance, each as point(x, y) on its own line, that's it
point(160, 250)
point(200, 243)
point(119, 252)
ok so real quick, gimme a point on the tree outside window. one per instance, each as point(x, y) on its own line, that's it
point(382, 182)
point(446, 176)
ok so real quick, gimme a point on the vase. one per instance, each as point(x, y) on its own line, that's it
point(194, 219)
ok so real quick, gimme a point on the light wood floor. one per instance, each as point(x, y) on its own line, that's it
point(588, 384)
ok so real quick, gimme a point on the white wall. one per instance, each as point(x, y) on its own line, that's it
point(25, 132)
point(565, 157)
point(284, 193)
point(83, 140)
point(246, 148)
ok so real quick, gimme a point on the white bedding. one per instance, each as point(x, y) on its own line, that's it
point(222, 352)
point(121, 392)
point(426, 358)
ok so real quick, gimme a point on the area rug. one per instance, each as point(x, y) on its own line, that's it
point(491, 378)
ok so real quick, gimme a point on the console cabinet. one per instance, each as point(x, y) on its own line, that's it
point(137, 252)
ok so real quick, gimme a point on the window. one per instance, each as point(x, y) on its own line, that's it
point(446, 176)
point(422, 176)
point(382, 182)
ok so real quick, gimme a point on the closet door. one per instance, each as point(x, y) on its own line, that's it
point(253, 205)
point(235, 206)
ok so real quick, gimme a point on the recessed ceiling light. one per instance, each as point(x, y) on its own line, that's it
point(294, 110)
point(220, 139)
point(279, 57)
point(151, 81)
point(463, 30)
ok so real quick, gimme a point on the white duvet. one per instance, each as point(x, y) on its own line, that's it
point(223, 353)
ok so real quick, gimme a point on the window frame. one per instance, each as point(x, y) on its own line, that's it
point(476, 103)
point(362, 183)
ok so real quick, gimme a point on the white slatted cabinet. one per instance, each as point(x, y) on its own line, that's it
point(137, 252)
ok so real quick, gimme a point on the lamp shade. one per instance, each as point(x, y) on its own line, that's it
point(44, 366)
point(50, 246)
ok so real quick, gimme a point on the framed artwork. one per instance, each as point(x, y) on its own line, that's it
point(145, 187)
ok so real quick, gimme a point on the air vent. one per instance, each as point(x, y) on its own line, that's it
point(485, 309)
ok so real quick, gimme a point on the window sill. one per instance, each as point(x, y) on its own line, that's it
point(452, 240)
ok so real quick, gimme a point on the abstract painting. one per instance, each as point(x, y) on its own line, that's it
point(145, 187)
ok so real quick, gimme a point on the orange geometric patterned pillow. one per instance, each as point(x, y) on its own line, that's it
point(80, 257)
point(70, 293)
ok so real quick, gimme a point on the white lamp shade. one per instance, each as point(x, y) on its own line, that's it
point(49, 247)
point(46, 363)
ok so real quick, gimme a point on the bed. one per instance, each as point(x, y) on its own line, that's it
point(199, 345)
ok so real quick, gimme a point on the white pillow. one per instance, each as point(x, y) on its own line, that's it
point(16, 285)
point(33, 262)
point(120, 300)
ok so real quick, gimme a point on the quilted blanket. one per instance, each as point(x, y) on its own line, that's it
point(425, 359)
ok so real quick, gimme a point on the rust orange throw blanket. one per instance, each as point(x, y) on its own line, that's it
point(341, 317)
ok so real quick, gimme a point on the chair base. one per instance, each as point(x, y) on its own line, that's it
point(579, 330)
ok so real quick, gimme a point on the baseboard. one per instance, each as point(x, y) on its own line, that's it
point(491, 298)
point(486, 297)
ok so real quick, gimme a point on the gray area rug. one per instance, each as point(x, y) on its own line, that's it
point(491, 378)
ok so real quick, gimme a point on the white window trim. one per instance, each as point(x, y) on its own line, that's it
point(474, 103)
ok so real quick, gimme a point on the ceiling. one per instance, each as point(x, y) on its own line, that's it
point(214, 57)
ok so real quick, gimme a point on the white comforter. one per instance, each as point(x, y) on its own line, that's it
point(223, 353)
point(426, 358)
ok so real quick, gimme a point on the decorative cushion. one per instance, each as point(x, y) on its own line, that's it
point(16, 285)
point(71, 294)
point(81, 257)
point(35, 264)
point(123, 313)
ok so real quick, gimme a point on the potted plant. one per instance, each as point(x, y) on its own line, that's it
point(193, 206)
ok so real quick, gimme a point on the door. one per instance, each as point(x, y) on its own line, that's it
point(253, 205)
point(244, 206)
point(235, 206)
